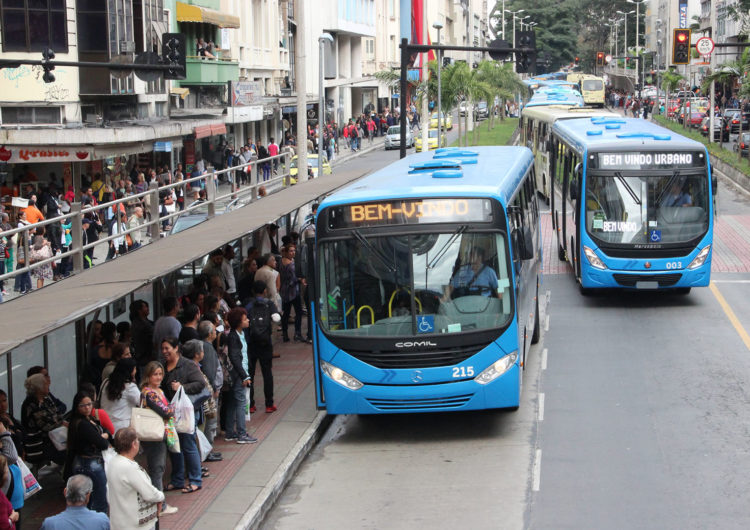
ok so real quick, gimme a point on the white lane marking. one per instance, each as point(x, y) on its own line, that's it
point(546, 323)
point(537, 471)
point(541, 406)
point(544, 359)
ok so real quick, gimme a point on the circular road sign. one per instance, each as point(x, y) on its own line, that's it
point(705, 46)
point(607, 59)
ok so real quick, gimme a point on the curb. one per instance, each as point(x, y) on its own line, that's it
point(254, 516)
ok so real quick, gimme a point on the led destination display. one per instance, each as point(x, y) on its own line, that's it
point(410, 211)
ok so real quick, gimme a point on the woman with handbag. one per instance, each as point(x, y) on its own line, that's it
point(153, 397)
point(86, 441)
point(120, 394)
point(182, 373)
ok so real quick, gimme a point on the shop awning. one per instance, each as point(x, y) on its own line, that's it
point(180, 91)
point(212, 129)
point(189, 13)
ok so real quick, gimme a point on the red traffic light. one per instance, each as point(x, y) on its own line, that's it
point(682, 37)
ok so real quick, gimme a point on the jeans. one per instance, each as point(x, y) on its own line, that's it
point(23, 282)
point(285, 310)
point(236, 414)
point(94, 469)
point(265, 369)
point(188, 455)
point(156, 462)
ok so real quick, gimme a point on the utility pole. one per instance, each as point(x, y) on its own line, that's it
point(300, 81)
point(425, 121)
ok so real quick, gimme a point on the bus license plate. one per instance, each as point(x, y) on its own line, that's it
point(646, 285)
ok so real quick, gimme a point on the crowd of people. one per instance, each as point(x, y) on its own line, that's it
point(205, 347)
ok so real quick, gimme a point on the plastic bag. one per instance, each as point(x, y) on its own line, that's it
point(173, 442)
point(184, 414)
point(107, 455)
point(247, 403)
point(203, 445)
point(59, 437)
point(31, 486)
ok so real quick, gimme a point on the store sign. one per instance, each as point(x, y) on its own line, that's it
point(19, 155)
point(245, 93)
point(163, 147)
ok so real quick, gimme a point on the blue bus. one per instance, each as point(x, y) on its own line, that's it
point(632, 204)
point(426, 284)
point(544, 96)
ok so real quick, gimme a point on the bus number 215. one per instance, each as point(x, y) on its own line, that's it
point(463, 371)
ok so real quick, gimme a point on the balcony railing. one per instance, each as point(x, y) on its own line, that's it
point(203, 71)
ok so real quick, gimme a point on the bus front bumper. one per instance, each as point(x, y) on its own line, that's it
point(645, 280)
point(467, 394)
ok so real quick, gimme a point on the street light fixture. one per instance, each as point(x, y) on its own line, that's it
point(625, 15)
point(321, 105)
point(438, 26)
point(514, 13)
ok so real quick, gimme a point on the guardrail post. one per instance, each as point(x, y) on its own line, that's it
point(254, 178)
point(211, 193)
point(76, 231)
point(153, 209)
point(286, 161)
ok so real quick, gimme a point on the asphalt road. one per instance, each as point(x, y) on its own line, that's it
point(634, 415)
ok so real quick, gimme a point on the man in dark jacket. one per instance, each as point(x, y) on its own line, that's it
point(261, 347)
point(141, 333)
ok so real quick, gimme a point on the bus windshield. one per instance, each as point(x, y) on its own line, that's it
point(461, 282)
point(592, 84)
point(656, 209)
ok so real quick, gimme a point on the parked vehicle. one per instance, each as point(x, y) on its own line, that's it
point(481, 112)
point(742, 144)
point(719, 128)
point(462, 109)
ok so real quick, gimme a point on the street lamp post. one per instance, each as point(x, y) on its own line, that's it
point(438, 26)
point(514, 13)
point(321, 102)
point(637, 27)
point(625, 16)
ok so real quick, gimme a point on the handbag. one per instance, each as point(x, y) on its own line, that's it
point(148, 425)
point(200, 398)
point(59, 437)
point(30, 483)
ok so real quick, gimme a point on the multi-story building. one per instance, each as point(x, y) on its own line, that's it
point(89, 120)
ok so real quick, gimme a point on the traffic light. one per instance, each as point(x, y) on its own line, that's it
point(578, 60)
point(446, 62)
point(173, 54)
point(681, 46)
point(599, 58)
point(526, 61)
point(47, 56)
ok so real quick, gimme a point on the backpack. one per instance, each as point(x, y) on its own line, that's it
point(260, 323)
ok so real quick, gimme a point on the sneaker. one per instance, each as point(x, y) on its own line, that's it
point(246, 439)
point(168, 509)
point(253, 409)
point(271, 409)
point(230, 438)
point(298, 338)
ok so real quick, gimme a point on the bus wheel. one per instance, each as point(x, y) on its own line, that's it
point(535, 335)
point(682, 291)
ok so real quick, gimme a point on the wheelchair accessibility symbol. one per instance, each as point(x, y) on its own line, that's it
point(655, 236)
point(426, 323)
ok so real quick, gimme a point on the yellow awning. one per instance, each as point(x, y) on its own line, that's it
point(190, 13)
point(181, 91)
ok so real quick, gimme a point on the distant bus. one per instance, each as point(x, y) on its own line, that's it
point(427, 283)
point(632, 204)
point(536, 132)
point(592, 90)
point(544, 96)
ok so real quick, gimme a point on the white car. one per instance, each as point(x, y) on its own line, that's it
point(393, 137)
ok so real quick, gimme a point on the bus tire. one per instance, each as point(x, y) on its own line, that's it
point(535, 335)
point(560, 253)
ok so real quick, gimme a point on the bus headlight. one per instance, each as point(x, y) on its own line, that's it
point(497, 369)
point(340, 376)
point(593, 258)
point(700, 259)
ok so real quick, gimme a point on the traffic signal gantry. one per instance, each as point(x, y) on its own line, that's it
point(681, 46)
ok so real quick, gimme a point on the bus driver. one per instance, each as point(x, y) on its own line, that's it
point(473, 278)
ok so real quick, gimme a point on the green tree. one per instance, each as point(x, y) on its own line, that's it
point(504, 83)
point(727, 75)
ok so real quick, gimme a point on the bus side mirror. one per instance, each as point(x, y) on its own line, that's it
point(525, 243)
point(573, 191)
point(714, 184)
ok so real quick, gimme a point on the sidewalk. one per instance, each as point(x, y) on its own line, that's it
point(242, 487)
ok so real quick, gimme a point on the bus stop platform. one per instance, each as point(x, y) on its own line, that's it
point(246, 483)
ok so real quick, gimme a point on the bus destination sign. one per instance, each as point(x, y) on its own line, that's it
point(410, 211)
point(651, 160)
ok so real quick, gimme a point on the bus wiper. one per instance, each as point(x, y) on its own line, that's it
point(444, 248)
point(624, 182)
point(374, 251)
point(668, 187)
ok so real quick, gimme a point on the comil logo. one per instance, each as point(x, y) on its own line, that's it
point(415, 344)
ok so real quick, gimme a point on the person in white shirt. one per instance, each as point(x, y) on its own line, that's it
point(134, 503)
point(120, 394)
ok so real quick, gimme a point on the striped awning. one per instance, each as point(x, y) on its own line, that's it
point(190, 13)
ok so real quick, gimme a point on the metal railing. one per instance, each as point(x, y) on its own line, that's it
point(207, 181)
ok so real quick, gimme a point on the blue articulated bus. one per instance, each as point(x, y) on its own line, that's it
point(555, 96)
point(426, 284)
point(632, 204)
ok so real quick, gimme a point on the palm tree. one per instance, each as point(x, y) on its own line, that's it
point(669, 82)
point(456, 79)
point(503, 81)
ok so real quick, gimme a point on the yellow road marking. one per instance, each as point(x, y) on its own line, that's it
point(730, 315)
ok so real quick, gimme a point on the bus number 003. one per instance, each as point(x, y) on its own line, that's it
point(463, 371)
point(674, 265)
